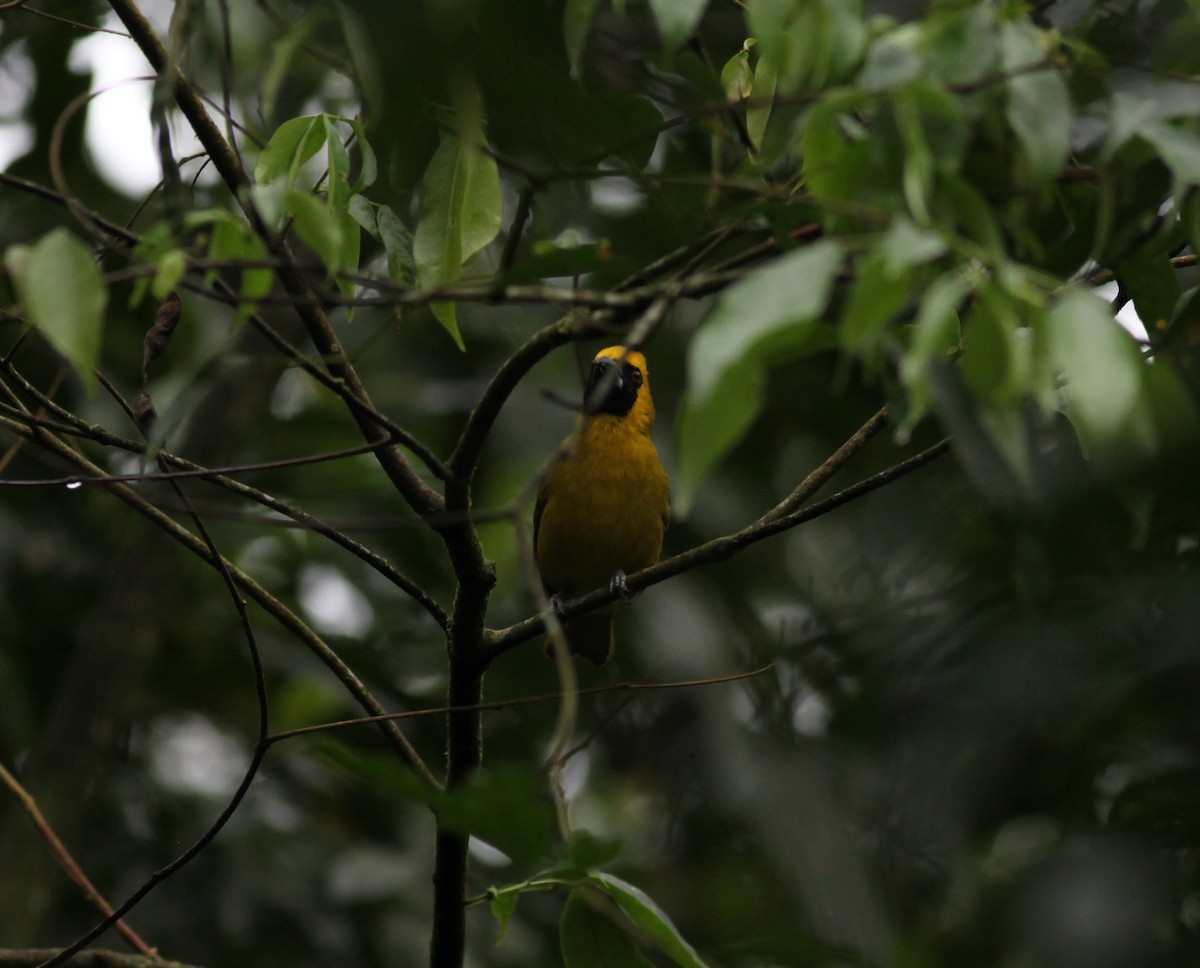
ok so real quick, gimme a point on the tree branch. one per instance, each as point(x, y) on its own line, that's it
point(420, 496)
point(464, 723)
point(479, 424)
point(280, 612)
point(226, 295)
point(502, 704)
point(33, 957)
point(220, 477)
point(818, 478)
point(113, 917)
point(62, 856)
point(719, 549)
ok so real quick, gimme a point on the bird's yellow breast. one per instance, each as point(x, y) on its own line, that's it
point(603, 507)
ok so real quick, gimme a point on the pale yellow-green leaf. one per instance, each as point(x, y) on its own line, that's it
point(65, 297)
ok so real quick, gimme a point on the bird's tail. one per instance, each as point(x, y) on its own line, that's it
point(590, 636)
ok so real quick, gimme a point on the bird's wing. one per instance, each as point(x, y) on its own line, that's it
point(537, 513)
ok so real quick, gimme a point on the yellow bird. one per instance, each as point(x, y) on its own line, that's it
point(603, 508)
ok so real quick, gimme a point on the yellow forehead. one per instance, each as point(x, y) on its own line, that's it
point(620, 353)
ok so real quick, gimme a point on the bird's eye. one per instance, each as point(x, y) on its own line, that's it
point(635, 377)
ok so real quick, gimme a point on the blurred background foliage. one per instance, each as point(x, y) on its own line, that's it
point(977, 742)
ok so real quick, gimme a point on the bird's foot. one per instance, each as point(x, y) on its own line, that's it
point(617, 586)
point(556, 606)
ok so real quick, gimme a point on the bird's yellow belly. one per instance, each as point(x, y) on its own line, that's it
point(612, 520)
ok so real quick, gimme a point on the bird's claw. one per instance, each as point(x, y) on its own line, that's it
point(556, 606)
point(617, 586)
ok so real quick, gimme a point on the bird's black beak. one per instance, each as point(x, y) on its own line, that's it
point(612, 387)
point(604, 380)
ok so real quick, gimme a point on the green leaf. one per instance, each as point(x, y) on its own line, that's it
point(504, 906)
point(590, 940)
point(1144, 103)
point(1180, 150)
point(270, 201)
point(232, 239)
point(837, 156)
point(677, 19)
point(368, 167)
point(939, 124)
point(935, 332)
point(256, 283)
point(878, 295)
point(385, 225)
point(959, 46)
point(577, 21)
point(1150, 281)
point(652, 923)
point(1039, 105)
point(348, 256)
point(811, 44)
point(507, 807)
point(292, 144)
point(363, 56)
point(156, 243)
point(1103, 371)
point(65, 297)
point(712, 424)
point(338, 182)
point(226, 243)
point(905, 245)
point(918, 168)
point(364, 213)
point(971, 211)
point(737, 77)
point(988, 362)
point(461, 211)
point(446, 313)
point(171, 268)
point(771, 316)
point(762, 89)
point(1173, 406)
point(319, 226)
point(398, 244)
point(891, 60)
point(283, 52)
point(992, 443)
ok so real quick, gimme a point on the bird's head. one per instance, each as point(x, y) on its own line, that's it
point(618, 383)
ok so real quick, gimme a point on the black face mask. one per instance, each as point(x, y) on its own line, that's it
point(612, 387)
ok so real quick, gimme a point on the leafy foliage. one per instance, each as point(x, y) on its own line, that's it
point(975, 715)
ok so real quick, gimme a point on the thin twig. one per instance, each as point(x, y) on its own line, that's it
point(79, 427)
point(280, 612)
point(261, 745)
point(198, 472)
point(500, 704)
point(818, 478)
point(516, 229)
point(68, 863)
point(419, 495)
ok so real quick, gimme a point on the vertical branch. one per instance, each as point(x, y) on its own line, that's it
point(464, 746)
point(447, 945)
